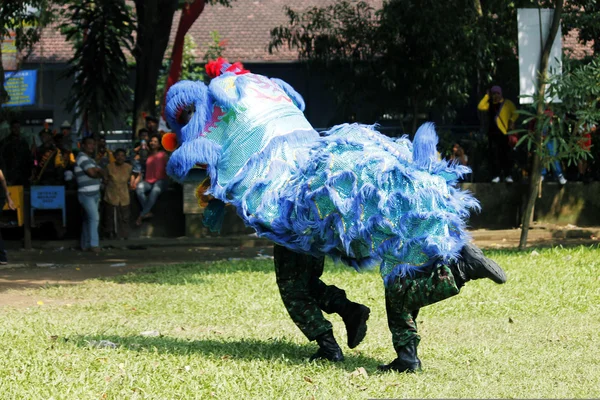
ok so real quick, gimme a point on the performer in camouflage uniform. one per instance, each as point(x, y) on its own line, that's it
point(305, 296)
point(405, 296)
point(350, 193)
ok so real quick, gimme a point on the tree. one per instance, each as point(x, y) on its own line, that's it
point(23, 19)
point(536, 136)
point(100, 30)
point(405, 58)
point(154, 18)
point(190, 70)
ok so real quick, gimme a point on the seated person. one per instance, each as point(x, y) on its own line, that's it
point(155, 180)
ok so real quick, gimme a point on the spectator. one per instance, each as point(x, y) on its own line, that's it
point(103, 155)
point(65, 128)
point(4, 197)
point(583, 171)
point(49, 166)
point(88, 176)
point(458, 155)
point(551, 147)
point(155, 180)
point(37, 142)
point(502, 117)
point(142, 135)
point(152, 126)
point(141, 151)
point(15, 157)
point(119, 179)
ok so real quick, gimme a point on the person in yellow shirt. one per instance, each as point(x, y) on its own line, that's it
point(502, 115)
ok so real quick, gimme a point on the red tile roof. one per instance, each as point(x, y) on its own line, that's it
point(245, 27)
point(577, 49)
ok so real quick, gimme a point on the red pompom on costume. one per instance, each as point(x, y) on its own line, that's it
point(215, 68)
point(169, 142)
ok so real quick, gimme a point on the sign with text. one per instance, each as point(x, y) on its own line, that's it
point(21, 87)
point(533, 27)
point(47, 197)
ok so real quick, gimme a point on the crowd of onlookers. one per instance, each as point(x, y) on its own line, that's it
point(504, 160)
point(102, 177)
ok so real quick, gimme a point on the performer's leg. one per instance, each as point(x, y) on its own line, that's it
point(293, 279)
point(332, 299)
point(404, 297)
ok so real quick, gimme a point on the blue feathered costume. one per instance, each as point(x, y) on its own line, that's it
point(350, 193)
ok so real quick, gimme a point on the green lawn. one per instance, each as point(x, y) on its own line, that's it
point(225, 334)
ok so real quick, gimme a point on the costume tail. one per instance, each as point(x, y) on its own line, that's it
point(425, 146)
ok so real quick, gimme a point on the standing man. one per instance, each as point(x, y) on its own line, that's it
point(88, 176)
point(305, 295)
point(502, 116)
point(116, 195)
point(15, 156)
point(4, 197)
point(155, 179)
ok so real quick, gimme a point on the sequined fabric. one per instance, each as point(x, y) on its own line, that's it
point(351, 193)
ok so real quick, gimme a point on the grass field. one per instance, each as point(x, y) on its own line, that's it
point(224, 333)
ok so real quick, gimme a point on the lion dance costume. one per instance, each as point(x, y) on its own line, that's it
point(350, 193)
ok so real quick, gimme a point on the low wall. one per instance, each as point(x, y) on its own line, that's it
point(168, 220)
point(177, 213)
point(502, 205)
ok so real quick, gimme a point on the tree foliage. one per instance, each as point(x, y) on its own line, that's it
point(100, 30)
point(408, 56)
point(190, 69)
point(568, 120)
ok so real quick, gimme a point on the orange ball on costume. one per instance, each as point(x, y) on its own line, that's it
point(169, 141)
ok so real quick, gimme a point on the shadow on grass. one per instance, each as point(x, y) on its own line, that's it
point(275, 350)
point(180, 274)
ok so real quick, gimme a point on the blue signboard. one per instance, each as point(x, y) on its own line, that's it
point(48, 198)
point(20, 86)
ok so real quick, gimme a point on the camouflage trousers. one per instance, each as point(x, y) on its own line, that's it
point(405, 296)
point(303, 293)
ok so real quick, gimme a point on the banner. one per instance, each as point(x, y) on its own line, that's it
point(21, 87)
point(9, 52)
point(534, 25)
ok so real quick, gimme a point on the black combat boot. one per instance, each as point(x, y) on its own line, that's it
point(328, 348)
point(355, 318)
point(474, 265)
point(407, 360)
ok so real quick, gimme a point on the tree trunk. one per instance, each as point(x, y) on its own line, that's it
point(155, 18)
point(415, 120)
point(478, 9)
point(536, 170)
point(4, 97)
